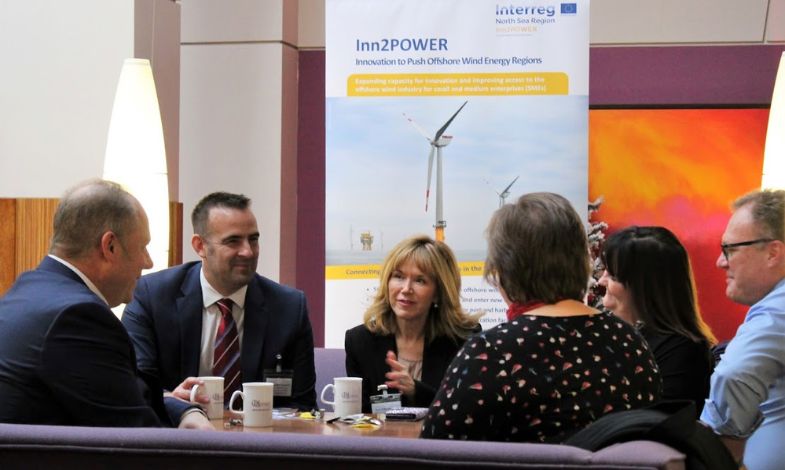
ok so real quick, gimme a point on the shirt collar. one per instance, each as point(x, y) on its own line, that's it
point(211, 296)
point(82, 276)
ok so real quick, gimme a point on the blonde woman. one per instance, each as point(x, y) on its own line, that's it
point(414, 326)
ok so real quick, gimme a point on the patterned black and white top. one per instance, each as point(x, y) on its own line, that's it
point(540, 379)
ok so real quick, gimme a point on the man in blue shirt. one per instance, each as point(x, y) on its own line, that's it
point(746, 404)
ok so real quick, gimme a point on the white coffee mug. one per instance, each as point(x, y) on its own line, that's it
point(213, 387)
point(257, 404)
point(347, 392)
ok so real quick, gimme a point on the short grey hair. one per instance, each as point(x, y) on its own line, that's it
point(86, 212)
point(768, 211)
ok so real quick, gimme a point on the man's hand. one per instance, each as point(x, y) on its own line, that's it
point(183, 391)
point(195, 419)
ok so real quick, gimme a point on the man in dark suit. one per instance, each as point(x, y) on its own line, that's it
point(179, 317)
point(65, 358)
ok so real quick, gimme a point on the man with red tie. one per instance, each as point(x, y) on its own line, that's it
point(218, 317)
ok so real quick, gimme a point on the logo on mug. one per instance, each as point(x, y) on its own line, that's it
point(256, 403)
point(217, 397)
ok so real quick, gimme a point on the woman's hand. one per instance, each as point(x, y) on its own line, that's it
point(398, 377)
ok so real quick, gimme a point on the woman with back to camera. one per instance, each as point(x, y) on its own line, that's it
point(556, 365)
point(414, 326)
point(648, 283)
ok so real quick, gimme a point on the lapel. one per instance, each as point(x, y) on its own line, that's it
point(432, 358)
point(383, 344)
point(189, 315)
point(255, 322)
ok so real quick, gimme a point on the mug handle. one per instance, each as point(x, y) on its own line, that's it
point(324, 390)
point(193, 392)
point(237, 393)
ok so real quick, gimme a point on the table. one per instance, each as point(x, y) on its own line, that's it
point(291, 423)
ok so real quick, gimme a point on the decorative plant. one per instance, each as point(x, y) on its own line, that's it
point(596, 235)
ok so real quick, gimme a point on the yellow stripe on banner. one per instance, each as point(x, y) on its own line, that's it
point(457, 84)
point(353, 271)
point(471, 268)
point(373, 271)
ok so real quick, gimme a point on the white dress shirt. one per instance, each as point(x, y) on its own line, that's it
point(211, 318)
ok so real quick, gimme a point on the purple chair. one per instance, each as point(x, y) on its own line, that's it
point(329, 363)
point(30, 446)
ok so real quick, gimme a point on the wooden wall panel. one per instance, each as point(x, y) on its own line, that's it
point(7, 244)
point(175, 233)
point(33, 231)
point(26, 232)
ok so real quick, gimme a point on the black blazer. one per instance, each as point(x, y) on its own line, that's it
point(365, 357)
point(66, 359)
point(164, 320)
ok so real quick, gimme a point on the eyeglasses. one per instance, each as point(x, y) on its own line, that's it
point(725, 247)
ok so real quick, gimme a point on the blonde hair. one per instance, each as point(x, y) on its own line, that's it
point(437, 261)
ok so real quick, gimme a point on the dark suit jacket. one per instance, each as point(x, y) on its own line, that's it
point(365, 357)
point(165, 323)
point(66, 359)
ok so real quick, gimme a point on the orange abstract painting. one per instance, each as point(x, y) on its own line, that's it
point(679, 168)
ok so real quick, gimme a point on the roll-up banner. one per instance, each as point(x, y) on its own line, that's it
point(437, 113)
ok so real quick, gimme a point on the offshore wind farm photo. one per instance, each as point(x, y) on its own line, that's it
point(442, 165)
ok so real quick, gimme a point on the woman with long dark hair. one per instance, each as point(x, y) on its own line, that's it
point(649, 283)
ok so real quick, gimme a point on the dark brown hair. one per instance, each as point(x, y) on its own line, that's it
point(537, 250)
point(654, 267)
point(201, 212)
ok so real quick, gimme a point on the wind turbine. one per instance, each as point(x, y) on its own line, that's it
point(438, 142)
point(506, 192)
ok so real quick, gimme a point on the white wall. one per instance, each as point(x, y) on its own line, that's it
point(311, 24)
point(61, 63)
point(677, 21)
point(775, 27)
point(230, 112)
point(640, 22)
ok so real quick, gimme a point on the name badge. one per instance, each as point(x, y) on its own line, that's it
point(387, 401)
point(281, 380)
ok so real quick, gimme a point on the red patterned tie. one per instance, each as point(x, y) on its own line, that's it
point(226, 359)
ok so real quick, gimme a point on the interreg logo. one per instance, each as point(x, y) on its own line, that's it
point(569, 8)
point(256, 404)
point(524, 19)
point(514, 10)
